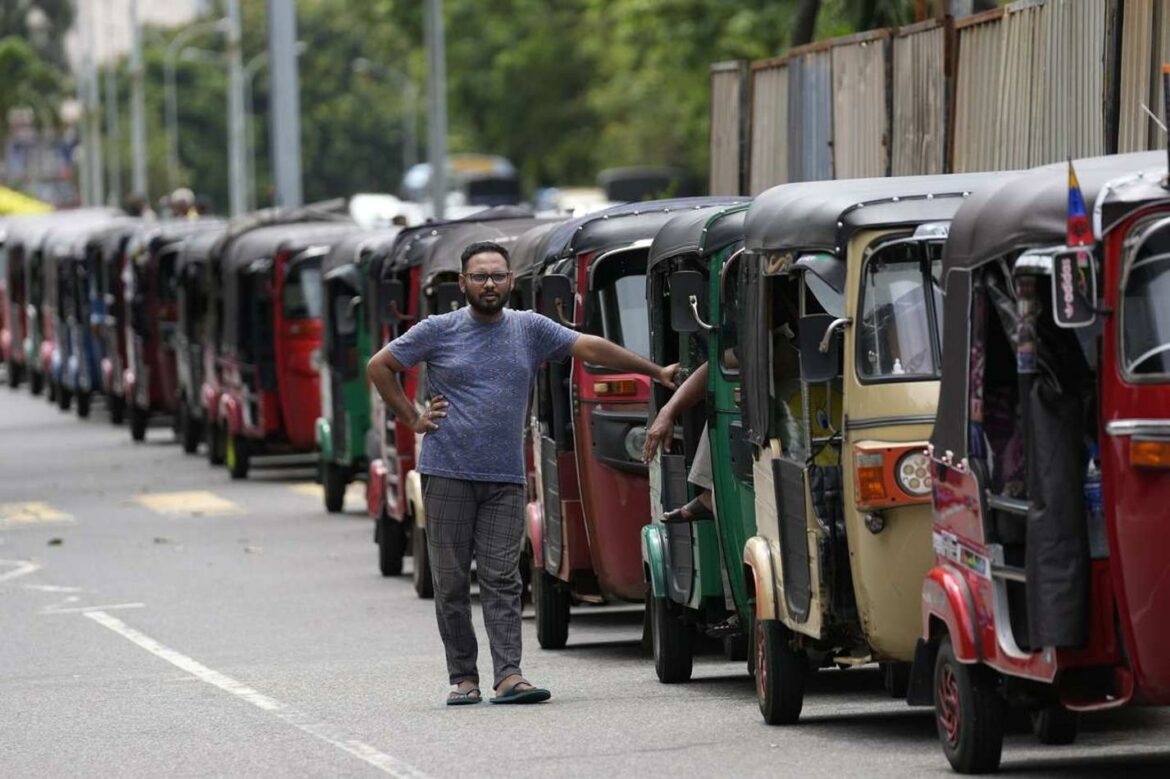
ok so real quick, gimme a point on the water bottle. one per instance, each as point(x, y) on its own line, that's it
point(1095, 507)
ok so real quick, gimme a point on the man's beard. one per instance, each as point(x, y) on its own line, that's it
point(487, 309)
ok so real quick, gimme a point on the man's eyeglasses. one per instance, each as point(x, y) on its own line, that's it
point(481, 278)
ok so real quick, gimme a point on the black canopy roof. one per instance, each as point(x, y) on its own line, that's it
point(109, 238)
point(444, 252)
point(412, 243)
point(529, 249)
point(155, 235)
point(348, 250)
point(701, 232)
point(264, 242)
point(624, 224)
point(1031, 208)
point(30, 232)
point(822, 215)
point(196, 250)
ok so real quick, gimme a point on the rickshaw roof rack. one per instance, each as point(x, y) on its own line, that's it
point(702, 232)
point(1030, 208)
point(443, 254)
point(815, 216)
point(623, 224)
point(348, 250)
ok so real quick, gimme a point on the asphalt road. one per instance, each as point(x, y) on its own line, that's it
point(157, 618)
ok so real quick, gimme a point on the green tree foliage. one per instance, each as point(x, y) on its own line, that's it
point(28, 81)
point(20, 18)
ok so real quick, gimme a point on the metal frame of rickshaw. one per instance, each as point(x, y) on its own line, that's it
point(105, 252)
point(343, 428)
point(194, 351)
point(978, 600)
point(841, 505)
point(592, 490)
point(687, 589)
point(271, 392)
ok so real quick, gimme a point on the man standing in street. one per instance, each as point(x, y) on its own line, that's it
point(481, 362)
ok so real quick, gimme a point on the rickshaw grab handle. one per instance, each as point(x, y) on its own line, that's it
point(695, 313)
point(560, 304)
point(834, 326)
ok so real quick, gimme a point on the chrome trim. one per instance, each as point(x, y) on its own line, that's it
point(909, 419)
point(1121, 427)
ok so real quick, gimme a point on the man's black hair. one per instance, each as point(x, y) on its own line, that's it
point(484, 247)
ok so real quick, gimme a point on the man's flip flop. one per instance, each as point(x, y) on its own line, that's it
point(695, 509)
point(531, 695)
point(464, 697)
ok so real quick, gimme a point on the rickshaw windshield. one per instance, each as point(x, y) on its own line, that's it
point(1145, 312)
point(900, 329)
point(624, 318)
point(301, 295)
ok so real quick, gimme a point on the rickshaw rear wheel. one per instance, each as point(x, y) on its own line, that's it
point(189, 429)
point(36, 382)
point(139, 417)
point(391, 542)
point(896, 679)
point(215, 443)
point(64, 398)
point(424, 586)
point(969, 713)
point(334, 481)
point(117, 408)
point(83, 399)
point(673, 643)
point(14, 374)
point(237, 456)
point(52, 391)
point(780, 673)
point(550, 599)
point(1055, 725)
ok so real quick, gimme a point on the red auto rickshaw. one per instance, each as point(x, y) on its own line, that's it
point(270, 339)
point(1051, 457)
point(150, 294)
point(592, 491)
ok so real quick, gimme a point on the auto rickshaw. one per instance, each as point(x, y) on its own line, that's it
point(438, 293)
point(270, 340)
point(343, 429)
point(150, 379)
point(592, 489)
point(194, 347)
point(695, 570)
point(840, 288)
point(105, 308)
point(5, 331)
point(1051, 469)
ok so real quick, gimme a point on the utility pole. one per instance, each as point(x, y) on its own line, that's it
point(137, 108)
point(113, 133)
point(93, 111)
point(437, 93)
point(235, 111)
point(286, 102)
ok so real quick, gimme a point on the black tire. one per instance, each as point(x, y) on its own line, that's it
point(780, 673)
point(36, 382)
point(190, 429)
point(51, 395)
point(64, 398)
point(83, 404)
point(215, 443)
point(1055, 725)
point(896, 679)
point(14, 374)
point(335, 479)
point(969, 713)
point(237, 456)
point(117, 406)
point(391, 545)
point(424, 585)
point(139, 419)
point(735, 648)
point(672, 641)
point(551, 601)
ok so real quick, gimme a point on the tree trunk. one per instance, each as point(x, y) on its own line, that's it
point(806, 22)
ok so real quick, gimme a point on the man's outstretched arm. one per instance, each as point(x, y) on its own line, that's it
point(599, 351)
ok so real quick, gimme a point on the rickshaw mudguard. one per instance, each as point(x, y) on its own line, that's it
point(209, 399)
point(376, 488)
point(534, 518)
point(654, 558)
point(761, 572)
point(414, 498)
point(324, 436)
point(230, 412)
point(947, 599)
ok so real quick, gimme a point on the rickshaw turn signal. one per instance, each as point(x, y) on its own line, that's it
point(615, 387)
point(871, 482)
point(1149, 454)
point(894, 475)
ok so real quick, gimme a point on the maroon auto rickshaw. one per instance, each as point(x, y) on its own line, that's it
point(270, 340)
point(1051, 457)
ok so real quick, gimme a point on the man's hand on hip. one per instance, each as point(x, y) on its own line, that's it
point(427, 419)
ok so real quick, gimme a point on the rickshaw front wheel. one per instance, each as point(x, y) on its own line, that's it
point(64, 398)
point(334, 481)
point(1055, 725)
point(391, 540)
point(117, 408)
point(780, 673)
point(424, 586)
point(14, 374)
point(550, 599)
point(216, 436)
point(36, 382)
point(83, 404)
point(237, 456)
point(673, 643)
point(189, 430)
point(969, 713)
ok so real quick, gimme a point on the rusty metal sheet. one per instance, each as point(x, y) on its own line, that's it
point(1022, 86)
point(861, 120)
point(1073, 41)
point(920, 107)
point(726, 128)
point(980, 65)
point(1145, 43)
point(810, 111)
point(768, 161)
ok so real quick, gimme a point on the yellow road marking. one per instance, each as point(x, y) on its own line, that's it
point(355, 494)
point(31, 512)
point(195, 503)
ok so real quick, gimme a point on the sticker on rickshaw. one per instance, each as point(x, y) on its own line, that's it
point(949, 547)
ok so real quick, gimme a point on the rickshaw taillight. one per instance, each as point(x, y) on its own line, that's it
point(1149, 453)
point(616, 387)
point(871, 481)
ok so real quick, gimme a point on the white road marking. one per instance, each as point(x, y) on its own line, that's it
point(323, 731)
point(87, 609)
point(52, 588)
point(23, 568)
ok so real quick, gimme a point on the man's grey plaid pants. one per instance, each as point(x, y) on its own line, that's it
point(485, 521)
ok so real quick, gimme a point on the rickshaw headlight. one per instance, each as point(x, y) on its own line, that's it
point(635, 440)
point(913, 474)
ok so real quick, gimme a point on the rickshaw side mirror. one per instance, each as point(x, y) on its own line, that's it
point(820, 349)
point(556, 299)
point(688, 302)
point(1074, 288)
point(392, 299)
point(448, 296)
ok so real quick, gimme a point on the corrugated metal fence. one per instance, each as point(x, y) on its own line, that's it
point(727, 128)
point(1034, 82)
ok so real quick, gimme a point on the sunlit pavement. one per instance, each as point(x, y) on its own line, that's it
point(160, 619)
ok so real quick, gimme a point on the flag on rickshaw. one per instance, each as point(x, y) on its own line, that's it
point(1080, 231)
point(1074, 289)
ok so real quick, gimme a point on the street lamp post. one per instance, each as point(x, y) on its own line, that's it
point(172, 107)
point(137, 108)
point(253, 67)
point(235, 108)
point(437, 93)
